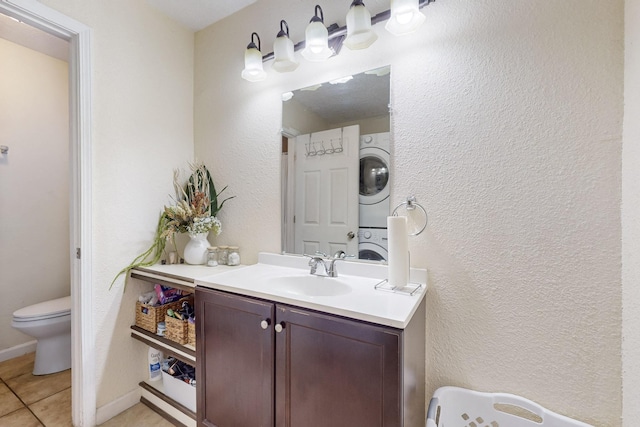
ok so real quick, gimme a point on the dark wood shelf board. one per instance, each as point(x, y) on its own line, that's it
point(180, 407)
point(168, 343)
point(165, 282)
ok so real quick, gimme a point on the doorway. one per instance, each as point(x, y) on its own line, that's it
point(78, 35)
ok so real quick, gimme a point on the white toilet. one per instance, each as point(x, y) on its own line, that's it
point(50, 323)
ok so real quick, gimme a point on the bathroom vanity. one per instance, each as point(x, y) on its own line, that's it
point(277, 346)
point(280, 347)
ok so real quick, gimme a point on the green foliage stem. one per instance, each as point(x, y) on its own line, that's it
point(155, 252)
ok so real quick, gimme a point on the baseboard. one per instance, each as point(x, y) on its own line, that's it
point(18, 350)
point(110, 410)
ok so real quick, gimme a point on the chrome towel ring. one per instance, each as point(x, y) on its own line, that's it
point(411, 205)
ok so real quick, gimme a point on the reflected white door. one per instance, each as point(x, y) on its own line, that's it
point(326, 195)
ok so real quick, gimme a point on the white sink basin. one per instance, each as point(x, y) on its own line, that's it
point(310, 285)
point(286, 279)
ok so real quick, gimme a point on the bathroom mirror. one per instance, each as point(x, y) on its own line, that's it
point(336, 166)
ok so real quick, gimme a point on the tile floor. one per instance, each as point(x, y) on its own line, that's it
point(36, 401)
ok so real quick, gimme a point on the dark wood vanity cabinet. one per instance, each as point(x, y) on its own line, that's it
point(235, 377)
point(263, 364)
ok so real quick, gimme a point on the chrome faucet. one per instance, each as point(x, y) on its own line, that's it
point(327, 263)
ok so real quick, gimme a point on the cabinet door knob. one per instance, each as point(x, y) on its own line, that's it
point(265, 323)
point(279, 327)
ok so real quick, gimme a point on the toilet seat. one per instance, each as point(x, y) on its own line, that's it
point(45, 310)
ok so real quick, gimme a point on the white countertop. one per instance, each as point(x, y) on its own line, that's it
point(356, 297)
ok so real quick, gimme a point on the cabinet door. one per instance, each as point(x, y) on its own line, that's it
point(235, 360)
point(334, 372)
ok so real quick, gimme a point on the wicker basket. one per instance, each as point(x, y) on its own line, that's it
point(191, 333)
point(176, 330)
point(148, 316)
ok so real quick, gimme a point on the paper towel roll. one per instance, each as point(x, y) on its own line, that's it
point(398, 250)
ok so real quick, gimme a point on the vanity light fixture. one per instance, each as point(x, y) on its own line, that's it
point(405, 17)
point(359, 32)
point(283, 52)
point(253, 70)
point(322, 42)
point(316, 39)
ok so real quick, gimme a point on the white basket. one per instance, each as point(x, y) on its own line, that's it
point(459, 407)
point(181, 392)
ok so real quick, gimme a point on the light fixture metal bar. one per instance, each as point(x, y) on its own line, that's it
point(335, 31)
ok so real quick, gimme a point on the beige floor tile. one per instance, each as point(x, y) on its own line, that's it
point(20, 418)
point(8, 401)
point(54, 411)
point(31, 388)
point(138, 415)
point(18, 366)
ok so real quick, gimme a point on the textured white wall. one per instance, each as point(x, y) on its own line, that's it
point(142, 130)
point(630, 224)
point(34, 183)
point(507, 127)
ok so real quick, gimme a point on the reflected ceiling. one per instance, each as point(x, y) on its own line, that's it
point(351, 100)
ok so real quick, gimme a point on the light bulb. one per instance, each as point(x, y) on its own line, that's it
point(405, 17)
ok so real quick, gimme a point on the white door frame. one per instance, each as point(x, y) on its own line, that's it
point(83, 378)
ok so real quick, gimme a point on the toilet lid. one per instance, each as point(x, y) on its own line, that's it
point(53, 308)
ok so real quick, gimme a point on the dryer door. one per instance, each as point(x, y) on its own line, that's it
point(374, 175)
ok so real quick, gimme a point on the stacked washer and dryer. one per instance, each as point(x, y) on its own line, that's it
point(374, 196)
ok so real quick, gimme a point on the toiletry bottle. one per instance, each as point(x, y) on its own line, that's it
point(155, 359)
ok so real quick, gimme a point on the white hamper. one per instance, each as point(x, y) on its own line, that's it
point(459, 407)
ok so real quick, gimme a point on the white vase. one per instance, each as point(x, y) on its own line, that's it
point(195, 251)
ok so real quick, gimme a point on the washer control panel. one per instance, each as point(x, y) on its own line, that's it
point(373, 235)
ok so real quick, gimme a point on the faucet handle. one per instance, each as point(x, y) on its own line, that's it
point(318, 254)
point(314, 260)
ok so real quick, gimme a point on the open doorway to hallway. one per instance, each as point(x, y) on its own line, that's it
point(78, 36)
